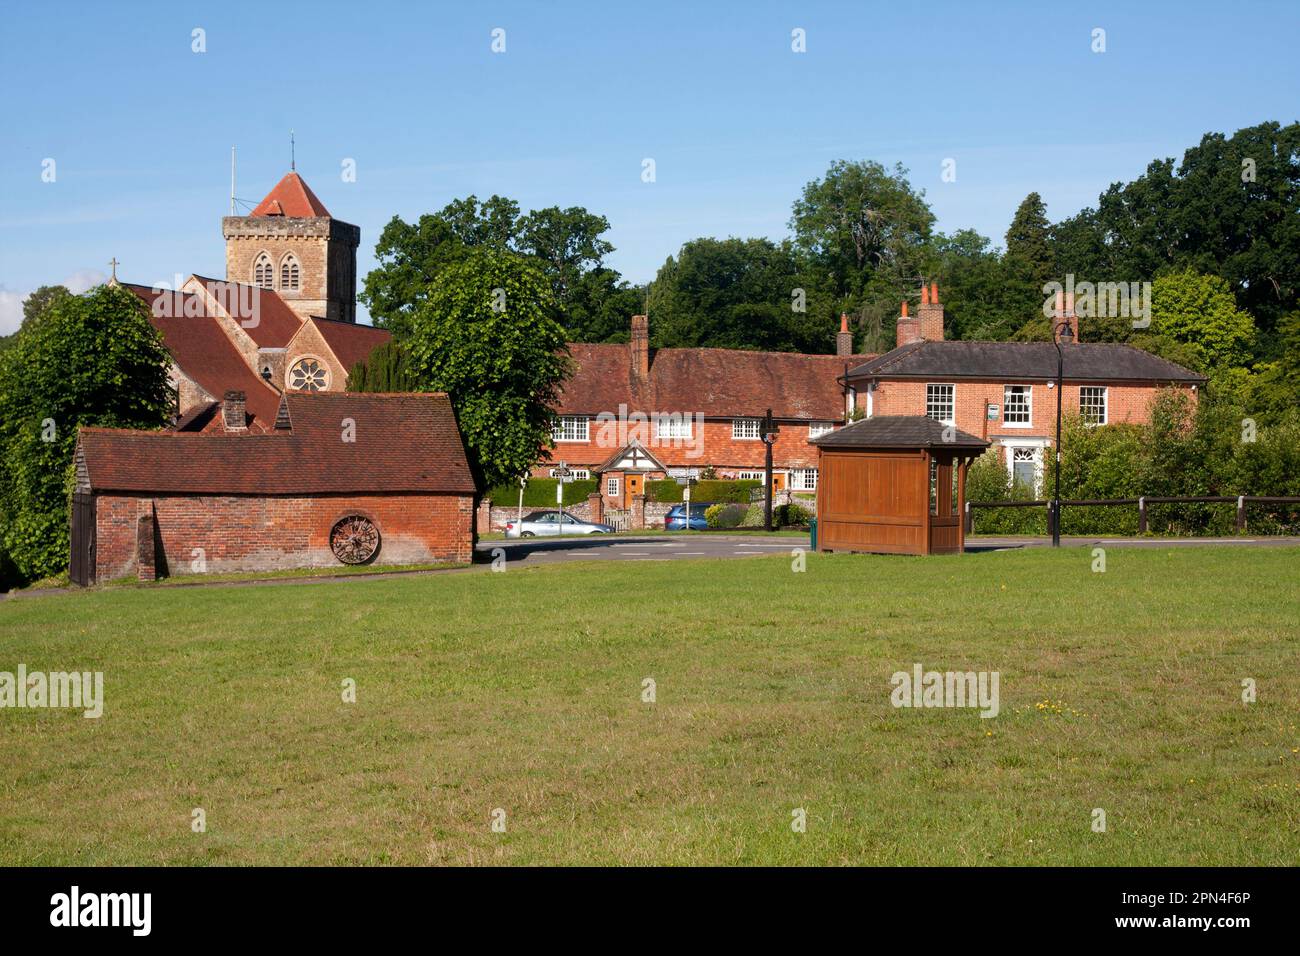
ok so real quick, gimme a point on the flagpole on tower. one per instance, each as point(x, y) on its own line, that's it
point(293, 165)
point(232, 180)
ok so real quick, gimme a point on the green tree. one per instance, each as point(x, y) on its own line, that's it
point(486, 334)
point(386, 369)
point(92, 359)
point(1200, 310)
point(568, 242)
point(861, 222)
point(739, 294)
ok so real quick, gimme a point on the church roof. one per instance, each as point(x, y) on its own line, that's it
point(402, 443)
point(350, 342)
point(266, 317)
point(203, 351)
point(293, 198)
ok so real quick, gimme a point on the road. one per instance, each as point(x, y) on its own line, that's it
point(687, 546)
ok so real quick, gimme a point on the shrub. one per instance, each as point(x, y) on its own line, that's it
point(540, 493)
point(725, 515)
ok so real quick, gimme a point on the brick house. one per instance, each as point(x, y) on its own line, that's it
point(338, 478)
point(282, 320)
point(630, 413)
point(1006, 391)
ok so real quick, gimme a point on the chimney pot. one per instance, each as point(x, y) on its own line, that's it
point(934, 293)
point(925, 294)
point(904, 308)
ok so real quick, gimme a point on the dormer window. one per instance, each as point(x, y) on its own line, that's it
point(289, 273)
point(263, 272)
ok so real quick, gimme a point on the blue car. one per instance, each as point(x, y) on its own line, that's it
point(675, 520)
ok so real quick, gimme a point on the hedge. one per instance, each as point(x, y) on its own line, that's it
point(669, 491)
point(540, 493)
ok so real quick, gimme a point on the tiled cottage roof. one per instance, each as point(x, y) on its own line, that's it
point(714, 382)
point(293, 198)
point(899, 431)
point(1025, 361)
point(403, 443)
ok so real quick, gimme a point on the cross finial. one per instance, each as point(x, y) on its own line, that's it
point(113, 265)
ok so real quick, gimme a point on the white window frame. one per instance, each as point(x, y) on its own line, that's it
point(746, 429)
point(1038, 446)
point(1105, 403)
point(1029, 406)
point(817, 429)
point(802, 479)
point(952, 401)
point(681, 428)
point(612, 487)
point(569, 427)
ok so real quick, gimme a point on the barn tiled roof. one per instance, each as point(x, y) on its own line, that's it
point(714, 382)
point(899, 431)
point(1099, 362)
point(291, 197)
point(403, 443)
point(351, 343)
point(203, 351)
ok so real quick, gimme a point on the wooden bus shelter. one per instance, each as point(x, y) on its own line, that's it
point(894, 485)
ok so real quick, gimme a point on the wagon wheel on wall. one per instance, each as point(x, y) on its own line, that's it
point(354, 539)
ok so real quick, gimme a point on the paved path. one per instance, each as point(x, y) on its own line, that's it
point(621, 547)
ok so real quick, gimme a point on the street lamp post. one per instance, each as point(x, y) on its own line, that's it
point(769, 430)
point(1063, 332)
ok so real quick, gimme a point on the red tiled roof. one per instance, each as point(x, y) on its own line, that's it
point(293, 198)
point(351, 343)
point(204, 352)
point(404, 443)
point(719, 383)
point(269, 322)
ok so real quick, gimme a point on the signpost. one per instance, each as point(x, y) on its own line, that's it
point(686, 497)
point(770, 430)
point(561, 473)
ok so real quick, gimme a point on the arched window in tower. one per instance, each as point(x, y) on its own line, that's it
point(289, 272)
point(263, 271)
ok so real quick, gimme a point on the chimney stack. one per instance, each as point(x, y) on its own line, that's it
point(909, 329)
point(640, 350)
point(232, 412)
point(844, 338)
point(1064, 313)
point(930, 315)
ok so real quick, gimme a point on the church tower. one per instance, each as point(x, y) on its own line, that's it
point(291, 244)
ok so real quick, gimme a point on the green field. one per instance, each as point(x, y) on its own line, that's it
point(522, 691)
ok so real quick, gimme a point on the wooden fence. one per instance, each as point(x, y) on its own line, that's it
point(1241, 501)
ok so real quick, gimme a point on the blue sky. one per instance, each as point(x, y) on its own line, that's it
point(140, 127)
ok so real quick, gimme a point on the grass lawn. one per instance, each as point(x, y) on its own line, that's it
point(522, 690)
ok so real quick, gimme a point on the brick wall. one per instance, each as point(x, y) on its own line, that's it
point(239, 533)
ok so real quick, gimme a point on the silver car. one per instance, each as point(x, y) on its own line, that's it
point(543, 523)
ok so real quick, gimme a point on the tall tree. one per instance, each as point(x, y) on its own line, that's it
point(738, 293)
point(568, 242)
point(486, 334)
point(862, 221)
point(92, 359)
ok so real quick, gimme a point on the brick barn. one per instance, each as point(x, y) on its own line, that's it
point(338, 479)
